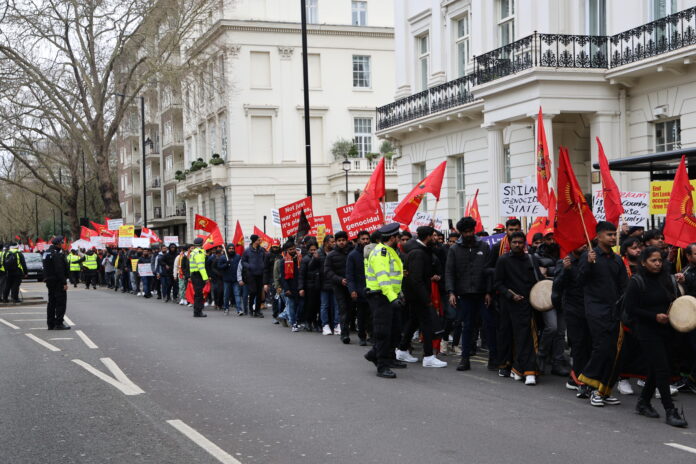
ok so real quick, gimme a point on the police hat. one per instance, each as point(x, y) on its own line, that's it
point(389, 229)
point(57, 240)
point(198, 241)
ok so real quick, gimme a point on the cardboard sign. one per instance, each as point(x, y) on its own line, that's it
point(275, 217)
point(141, 242)
point(322, 220)
point(369, 223)
point(389, 208)
point(660, 191)
point(520, 200)
point(125, 242)
point(635, 206)
point(80, 244)
point(145, 270)
point(97, 242)
point(422, 218)
point(126, 231)
point(290, 216)
point(114, 224)
point(169, 239)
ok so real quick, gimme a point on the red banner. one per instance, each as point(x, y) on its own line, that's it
point(290, 216)
point(369, 223)
point(322, 220)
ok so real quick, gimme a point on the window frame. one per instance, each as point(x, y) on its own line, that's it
point(357, 78)
point(462, 39)
point(423, 60)
point(312, 11)
point(363, 140)
point(356, 13)
point(505, 21)
point(675, 144)
point(460, 184)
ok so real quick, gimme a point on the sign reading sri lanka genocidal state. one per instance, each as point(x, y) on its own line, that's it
point(520, 200)
point(290, 216)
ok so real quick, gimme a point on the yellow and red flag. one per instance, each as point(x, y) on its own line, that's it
point(543, 163)
point(369, 199)
point(405, 210)
point(204, 223)
point(612, 196)
point(475, 213)
point(680, 222)
point(213, 240)
point(238, 239)
point(266, 241)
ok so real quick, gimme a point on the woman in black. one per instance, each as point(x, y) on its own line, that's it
point(647, 299)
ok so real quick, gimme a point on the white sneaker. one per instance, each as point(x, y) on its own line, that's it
point(672, 391)
point(207, 304)
point(405, 356)
point(337, 329)
point(326, 330)
point(624, 387)
point(416, 335)
point(182, 302)
point(139, 294)
point(295, 328)
point(515, 376)
point(530, 380)
point(429, 361)
point(640, 383)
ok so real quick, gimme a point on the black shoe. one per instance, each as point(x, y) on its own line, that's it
point(345, 340)
point(370, 341)
point(644, 408)
point(63, 326)
point(675, 419)
point(200, 315)
point(396, 364)
point(504, 372)
point(50, 327)
point(386, 373)
point(371, 356)
point(167, 300)
point(464, 365)
point(258, 314)
point(584, 392)
point(94, 287)
point(362, 342)
point(541, 364)
point(560, 370)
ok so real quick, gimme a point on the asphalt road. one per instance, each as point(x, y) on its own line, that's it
point(244, 390)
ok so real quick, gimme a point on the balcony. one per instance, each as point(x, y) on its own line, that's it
point(177, 211)
point(152, 151)
point(203, 180)
point(157, 213)
point(172, 140)
point(154, 183)
point(170, 104)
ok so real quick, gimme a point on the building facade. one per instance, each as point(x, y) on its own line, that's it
point(471, 76)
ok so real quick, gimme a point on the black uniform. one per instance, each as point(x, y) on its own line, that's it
point(15, 269)
point(55, 268)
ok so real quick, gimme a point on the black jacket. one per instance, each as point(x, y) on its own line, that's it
point(326, 284)
point(566, 285)
point(310, 273)
point(335, 266)
point(419, 268)
point(466, 268)
point(355, 272)
point(55, 266)
point(291, 285)
point(603, 283)
point(268, 263)
point(516, 273)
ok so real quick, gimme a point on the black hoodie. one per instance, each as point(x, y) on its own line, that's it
point(419, 268)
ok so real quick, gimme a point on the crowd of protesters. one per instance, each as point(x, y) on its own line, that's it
point(461, 297)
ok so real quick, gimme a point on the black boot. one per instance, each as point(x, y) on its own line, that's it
point(559, 369)
point(464, 364)
point(644, 408)
point(541, 363)
point(675, 419)
point(386, 373)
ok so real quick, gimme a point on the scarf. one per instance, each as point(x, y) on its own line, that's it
point(289, 265)
point(504, 246)
point(627, 264)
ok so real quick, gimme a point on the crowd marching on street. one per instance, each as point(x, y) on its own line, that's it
point(607, 321)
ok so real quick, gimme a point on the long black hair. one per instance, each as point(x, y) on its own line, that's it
point(664, 278)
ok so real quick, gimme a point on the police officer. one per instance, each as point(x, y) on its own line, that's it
point(56, 277)
point(199, 276)
point(74, 262)
point(383, 275)
point(3, 274)
point(15, 269)
point(90, 264)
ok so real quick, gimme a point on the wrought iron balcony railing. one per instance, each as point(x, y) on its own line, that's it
point(654, 38)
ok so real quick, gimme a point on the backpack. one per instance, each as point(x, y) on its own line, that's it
point(11, 263)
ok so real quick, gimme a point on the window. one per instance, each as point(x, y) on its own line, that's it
point(668, 135)
point(462, 41)
point(170, 203)
point(359, 13)
point(363, 135)
point(260, 70)
point(223, 136)
point(506, 164)
point(168, 164)
point(597, 17)
point(420, 173)
point(212, 130)
point(461, 186)
point(662, 8)
point(312, 11)
point(506, 22)
point(262, 139)
point(361, 71)
point(423, 61)
point(190, 155)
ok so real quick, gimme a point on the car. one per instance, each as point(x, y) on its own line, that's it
point(34, 266)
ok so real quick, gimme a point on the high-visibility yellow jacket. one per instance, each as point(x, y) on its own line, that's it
point(74, 261)
point(197, 263)
point(384, 271)
point(90, 262)
point(15, 252)
point(2, 260)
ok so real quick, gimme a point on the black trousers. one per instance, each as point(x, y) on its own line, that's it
point(580, 340)
point(419, 317)
point(90, 278)
point(3, 282)
point(255, 284)
point(601, 371)
point(364, 319)
point(74, 277)
point(386, 322)
point(57, 301)
point(504, 335)
point(12, 284)
point(198, 284)
point(345, 302)
point(524, 337)
point(656, 352)
point(312, 303)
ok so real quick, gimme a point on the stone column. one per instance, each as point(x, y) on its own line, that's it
point(605, 125)
point(495, 172)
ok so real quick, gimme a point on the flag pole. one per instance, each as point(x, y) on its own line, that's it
point(432, 217)
point(584, 227)
point(384, 210)
point(618, 231)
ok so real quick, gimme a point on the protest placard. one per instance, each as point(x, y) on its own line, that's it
point(423, 218)
point(114, 224)
point(322, 220)
point(369, 223)
point(492, 239)
point(635, 206)
point(520, 200)
point(126, 231)
point(169, 239)
point(125, 242)
point(290, 216)
point(145, 270)
point(660, 191)
point(275, 217)
point(141, 242)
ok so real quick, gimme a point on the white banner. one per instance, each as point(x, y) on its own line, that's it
point(145, 270)
point(125, 242)
point(169, 239)
point(114, 224)
point(422, 218)
point(275, 217)
point(635, 206)
point(520, 200)
point(80, 244)
point(141, 242)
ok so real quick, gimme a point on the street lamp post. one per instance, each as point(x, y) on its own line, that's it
point(346, 168)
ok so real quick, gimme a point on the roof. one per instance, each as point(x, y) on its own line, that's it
point(664, 161)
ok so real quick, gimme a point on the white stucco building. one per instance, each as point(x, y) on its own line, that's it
point(472, 74)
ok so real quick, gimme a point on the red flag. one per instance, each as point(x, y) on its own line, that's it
point(147, 233)
point(468, 208)
point(570, 233)
point(238, 239)
point(100, 228)
point(475, 214)
point(31, 244)
point(553, 204)
point(213, 240)
point(18, 237)
point(538, 226)
point(405, 210)
point(680, 222)
point(86, 233)
point(612, 196)
point(203, 223)
point(266, 241)
point(375, 189)
point(543, 163)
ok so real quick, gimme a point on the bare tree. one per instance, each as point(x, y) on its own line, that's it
point(61, 64)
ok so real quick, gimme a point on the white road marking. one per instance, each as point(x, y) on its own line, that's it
point(68, 321)
point(121, 382)
point(38, 328)
point(213, 449)
point(61, 338)
point(86, 339)
point(9, 324)
point(27, 320)
point(43, 343)
point(688, 449)
point(20, 314)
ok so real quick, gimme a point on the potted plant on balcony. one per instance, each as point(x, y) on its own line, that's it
point(371, 156)
point(198, 165)
point(180, 175)
point(343, 148)
point(387, 149)
point(216, 160)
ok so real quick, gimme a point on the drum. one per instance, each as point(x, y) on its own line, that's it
point(682, 314)
point(540, 296)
